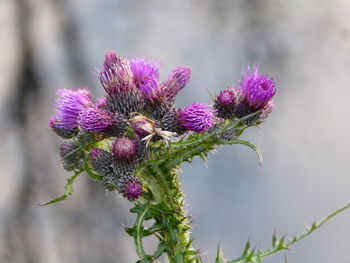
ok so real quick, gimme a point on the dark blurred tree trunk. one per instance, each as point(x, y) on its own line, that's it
point(20, 237)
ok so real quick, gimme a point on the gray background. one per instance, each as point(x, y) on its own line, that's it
point(304, 45)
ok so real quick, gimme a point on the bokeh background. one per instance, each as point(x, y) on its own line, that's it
point(304, 45)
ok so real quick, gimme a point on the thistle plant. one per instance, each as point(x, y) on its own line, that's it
point(134, 141)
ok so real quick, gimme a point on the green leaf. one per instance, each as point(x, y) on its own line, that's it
point(248, 144)
point(68, 191)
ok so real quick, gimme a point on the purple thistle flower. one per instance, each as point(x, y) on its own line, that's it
point(116, 73)
point(69, 104)
point(95, 120)
point(125, 149)
point(176, 81)
point(198, 117)
point(227, 96)
point(117, 79)
point(257, 89)
point(61, 131)
point(130, 187)
point(133, 190)
point(226, 103)
point(145, 75)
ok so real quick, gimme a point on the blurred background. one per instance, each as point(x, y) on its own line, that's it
point(304, 45)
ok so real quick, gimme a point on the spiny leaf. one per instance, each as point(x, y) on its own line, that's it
point(68, 190)
point(246, 143)
point(281, 244)
point(274, 240)
point(220, 256)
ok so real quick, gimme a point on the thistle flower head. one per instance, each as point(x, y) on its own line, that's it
point(61, 131)
point(227, 96)
point(125, 149)
point(198, 117)
point(116, 73)
point(130, 187)
point(101, 161)
point(226, 102)
point(71, 155)
point(95, 120)
point(133, 190)
point(69, 104)
point(176, 81)
point(257, 89)
point(145, 75)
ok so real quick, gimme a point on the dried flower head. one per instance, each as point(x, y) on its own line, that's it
point(149, 126)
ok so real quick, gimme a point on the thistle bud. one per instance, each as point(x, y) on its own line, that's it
point(226, 103)
point(71, 156)
point(171, 122)
point(198, 117)
point(130, 187)
point(101, 161)
point(119, 127)
point(60, 130)
point(116, 77)
point(125, 149)
point(85, 137)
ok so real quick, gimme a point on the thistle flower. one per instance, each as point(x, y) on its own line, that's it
point(71, 155)
point(125, 149)
point(226, 103)
point(145, 75)
point(171, 122)
point(198, 117)
point(130, 187)
point(117, 79)
point(167, 91)
point(101, 161)
point(257, 89)
point(69, 104)
point(61, 131)
point(176, 81)
point(95, 120)
point(116, 73)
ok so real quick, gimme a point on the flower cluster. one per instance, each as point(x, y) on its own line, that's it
point(112, 135)
point(254, 94)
